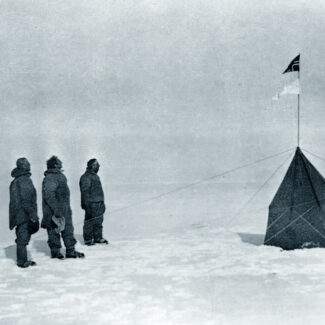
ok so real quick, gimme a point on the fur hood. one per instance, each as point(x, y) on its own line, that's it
point(17, 172)
point(53, 171)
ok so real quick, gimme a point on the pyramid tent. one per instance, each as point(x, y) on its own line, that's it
point(297, 211)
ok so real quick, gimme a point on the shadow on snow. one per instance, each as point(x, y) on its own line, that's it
point(42, 247)
point(10, 252)
point(254, 239)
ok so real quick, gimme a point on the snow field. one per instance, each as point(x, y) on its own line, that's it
point(201, 275)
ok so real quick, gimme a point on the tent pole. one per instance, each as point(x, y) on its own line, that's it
point(298, 113)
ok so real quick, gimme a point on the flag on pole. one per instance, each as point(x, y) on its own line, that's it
point(291, 89)
point(294, 65)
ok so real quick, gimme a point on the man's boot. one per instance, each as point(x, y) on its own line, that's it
point(72, 253)
point(89, 242)
point(22, 257)
point(56, 254)
point(27, 264)
point(101, 241)
point(21, 254)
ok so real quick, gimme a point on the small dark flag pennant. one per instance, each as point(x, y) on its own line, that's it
point(294, 65)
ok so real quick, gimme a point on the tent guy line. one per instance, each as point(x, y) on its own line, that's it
point(199, 182)
point(191, 184)
point(313, 154)
point(290, 207)
point(229, 223)
point(301, 216)
point(313, 227)
point(295, 205)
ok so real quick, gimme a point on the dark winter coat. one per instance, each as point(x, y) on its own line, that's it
point(92, 194)
point(23, 205)
point(55, 197)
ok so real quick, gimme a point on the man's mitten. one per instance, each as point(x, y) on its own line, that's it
point(33, 225)
point(60, 223)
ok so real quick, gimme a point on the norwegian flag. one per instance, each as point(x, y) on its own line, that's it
point(294, 65)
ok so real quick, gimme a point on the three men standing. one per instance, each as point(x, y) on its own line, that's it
point(92, 201)
point(57, 215)
point(23, 210)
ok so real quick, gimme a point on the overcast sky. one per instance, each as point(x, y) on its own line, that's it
point(159, 91)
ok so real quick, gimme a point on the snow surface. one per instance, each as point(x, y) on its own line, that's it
point(194, 257)
point(198, 275)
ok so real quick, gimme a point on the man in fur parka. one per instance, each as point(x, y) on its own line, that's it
point(92, 201)
point(23, 209)
point(57, 214)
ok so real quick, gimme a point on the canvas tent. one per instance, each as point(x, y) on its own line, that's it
point(296, 213)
